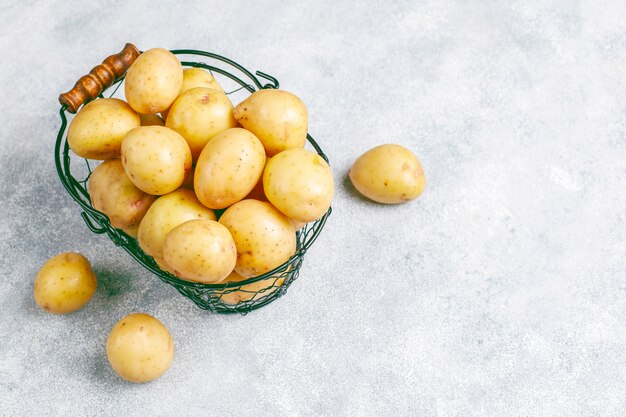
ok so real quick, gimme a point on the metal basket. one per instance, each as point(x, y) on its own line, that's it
point(233, 297)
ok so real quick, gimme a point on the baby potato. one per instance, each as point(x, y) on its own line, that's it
point(257, 193)
point(388, 174)
point(264, 237)
point(153, 81)
point(248, 292)
point(200, 251)
point(228, 168)
point(156, 159)
point(140, 348)
point(299, 183)
point(199, 114)
point(96, 132)
point(166, 213)
point(151, 120)
point(65, 283)
point(114, 194)
point(198, 77)
point(278, 118)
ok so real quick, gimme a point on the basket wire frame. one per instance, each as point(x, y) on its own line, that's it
point(233, 297)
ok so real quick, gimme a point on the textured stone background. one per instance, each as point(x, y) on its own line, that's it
point(500, 292)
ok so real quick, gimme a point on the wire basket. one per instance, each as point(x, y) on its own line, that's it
point(232, 297)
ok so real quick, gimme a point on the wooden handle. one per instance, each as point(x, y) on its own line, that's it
point(91, 85)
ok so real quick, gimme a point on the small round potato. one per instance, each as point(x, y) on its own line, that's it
point(140, 348)
point(388, 174)
point(200, 251)
point(114, 194)
point(228, 168)
point(156, 159)
point(264, 237)
point(257, 193)
point(151, 120)
point(65, 283)
point(248, 292)
point(166, 213)
point(199, 115)
point(153, 81)
point(278, 118)
point(198, 77)
point(299, 183)
point(96, 132)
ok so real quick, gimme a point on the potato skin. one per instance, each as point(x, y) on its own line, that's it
point(96, 132)
point(264, 237)
point(198, 115)
point(299, 183)
point(166, 213)
point(228, 168)
point(140, 348)
point(153, 81)
point(114, 194)
point(156, 159)
point(198, 77)
point(249, 291)
point(278, 118)
point(65, 283)
point(388, 174)
point(200, 251)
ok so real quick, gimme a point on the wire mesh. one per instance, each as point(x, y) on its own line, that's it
point(232, 297)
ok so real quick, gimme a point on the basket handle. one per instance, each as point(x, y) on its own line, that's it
point(90, 86)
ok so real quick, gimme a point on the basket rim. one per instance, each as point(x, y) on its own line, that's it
point(99, 222)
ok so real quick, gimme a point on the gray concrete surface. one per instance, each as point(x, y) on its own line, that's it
point(500, 292)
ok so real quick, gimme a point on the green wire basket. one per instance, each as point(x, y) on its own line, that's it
point(74, 171)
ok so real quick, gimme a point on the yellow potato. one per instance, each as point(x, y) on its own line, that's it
point(114, 194)
point(166, 213)
point(151, 120)
point(299, 183)
point(278, 118)
point(65, 283)
point(199, 115)
point(140, 348)
point(264, 237)
point(228, 168)
point(156, 159)
point(389, 174)
point(248, 292)
point(153, 81)
point(200, 251)
point(96, 132)
point(198, 77)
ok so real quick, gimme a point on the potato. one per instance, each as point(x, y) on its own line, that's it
point(151, 120)
point(388, 174)
point(197, 77)
point(228, 168)
point(299, 183)
point(114, 194)
point(156, 159)
point(96, 132)
point(166, 213)
point(248, 292)
point(140, 348)
point(264, 237)
point(153, 81)
point(278, 118)
point(65, 283)
point(201, 251)
point(199, 115)
point(297, 225)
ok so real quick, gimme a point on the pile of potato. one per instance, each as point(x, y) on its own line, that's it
point(178, 150)
point(213, 192)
